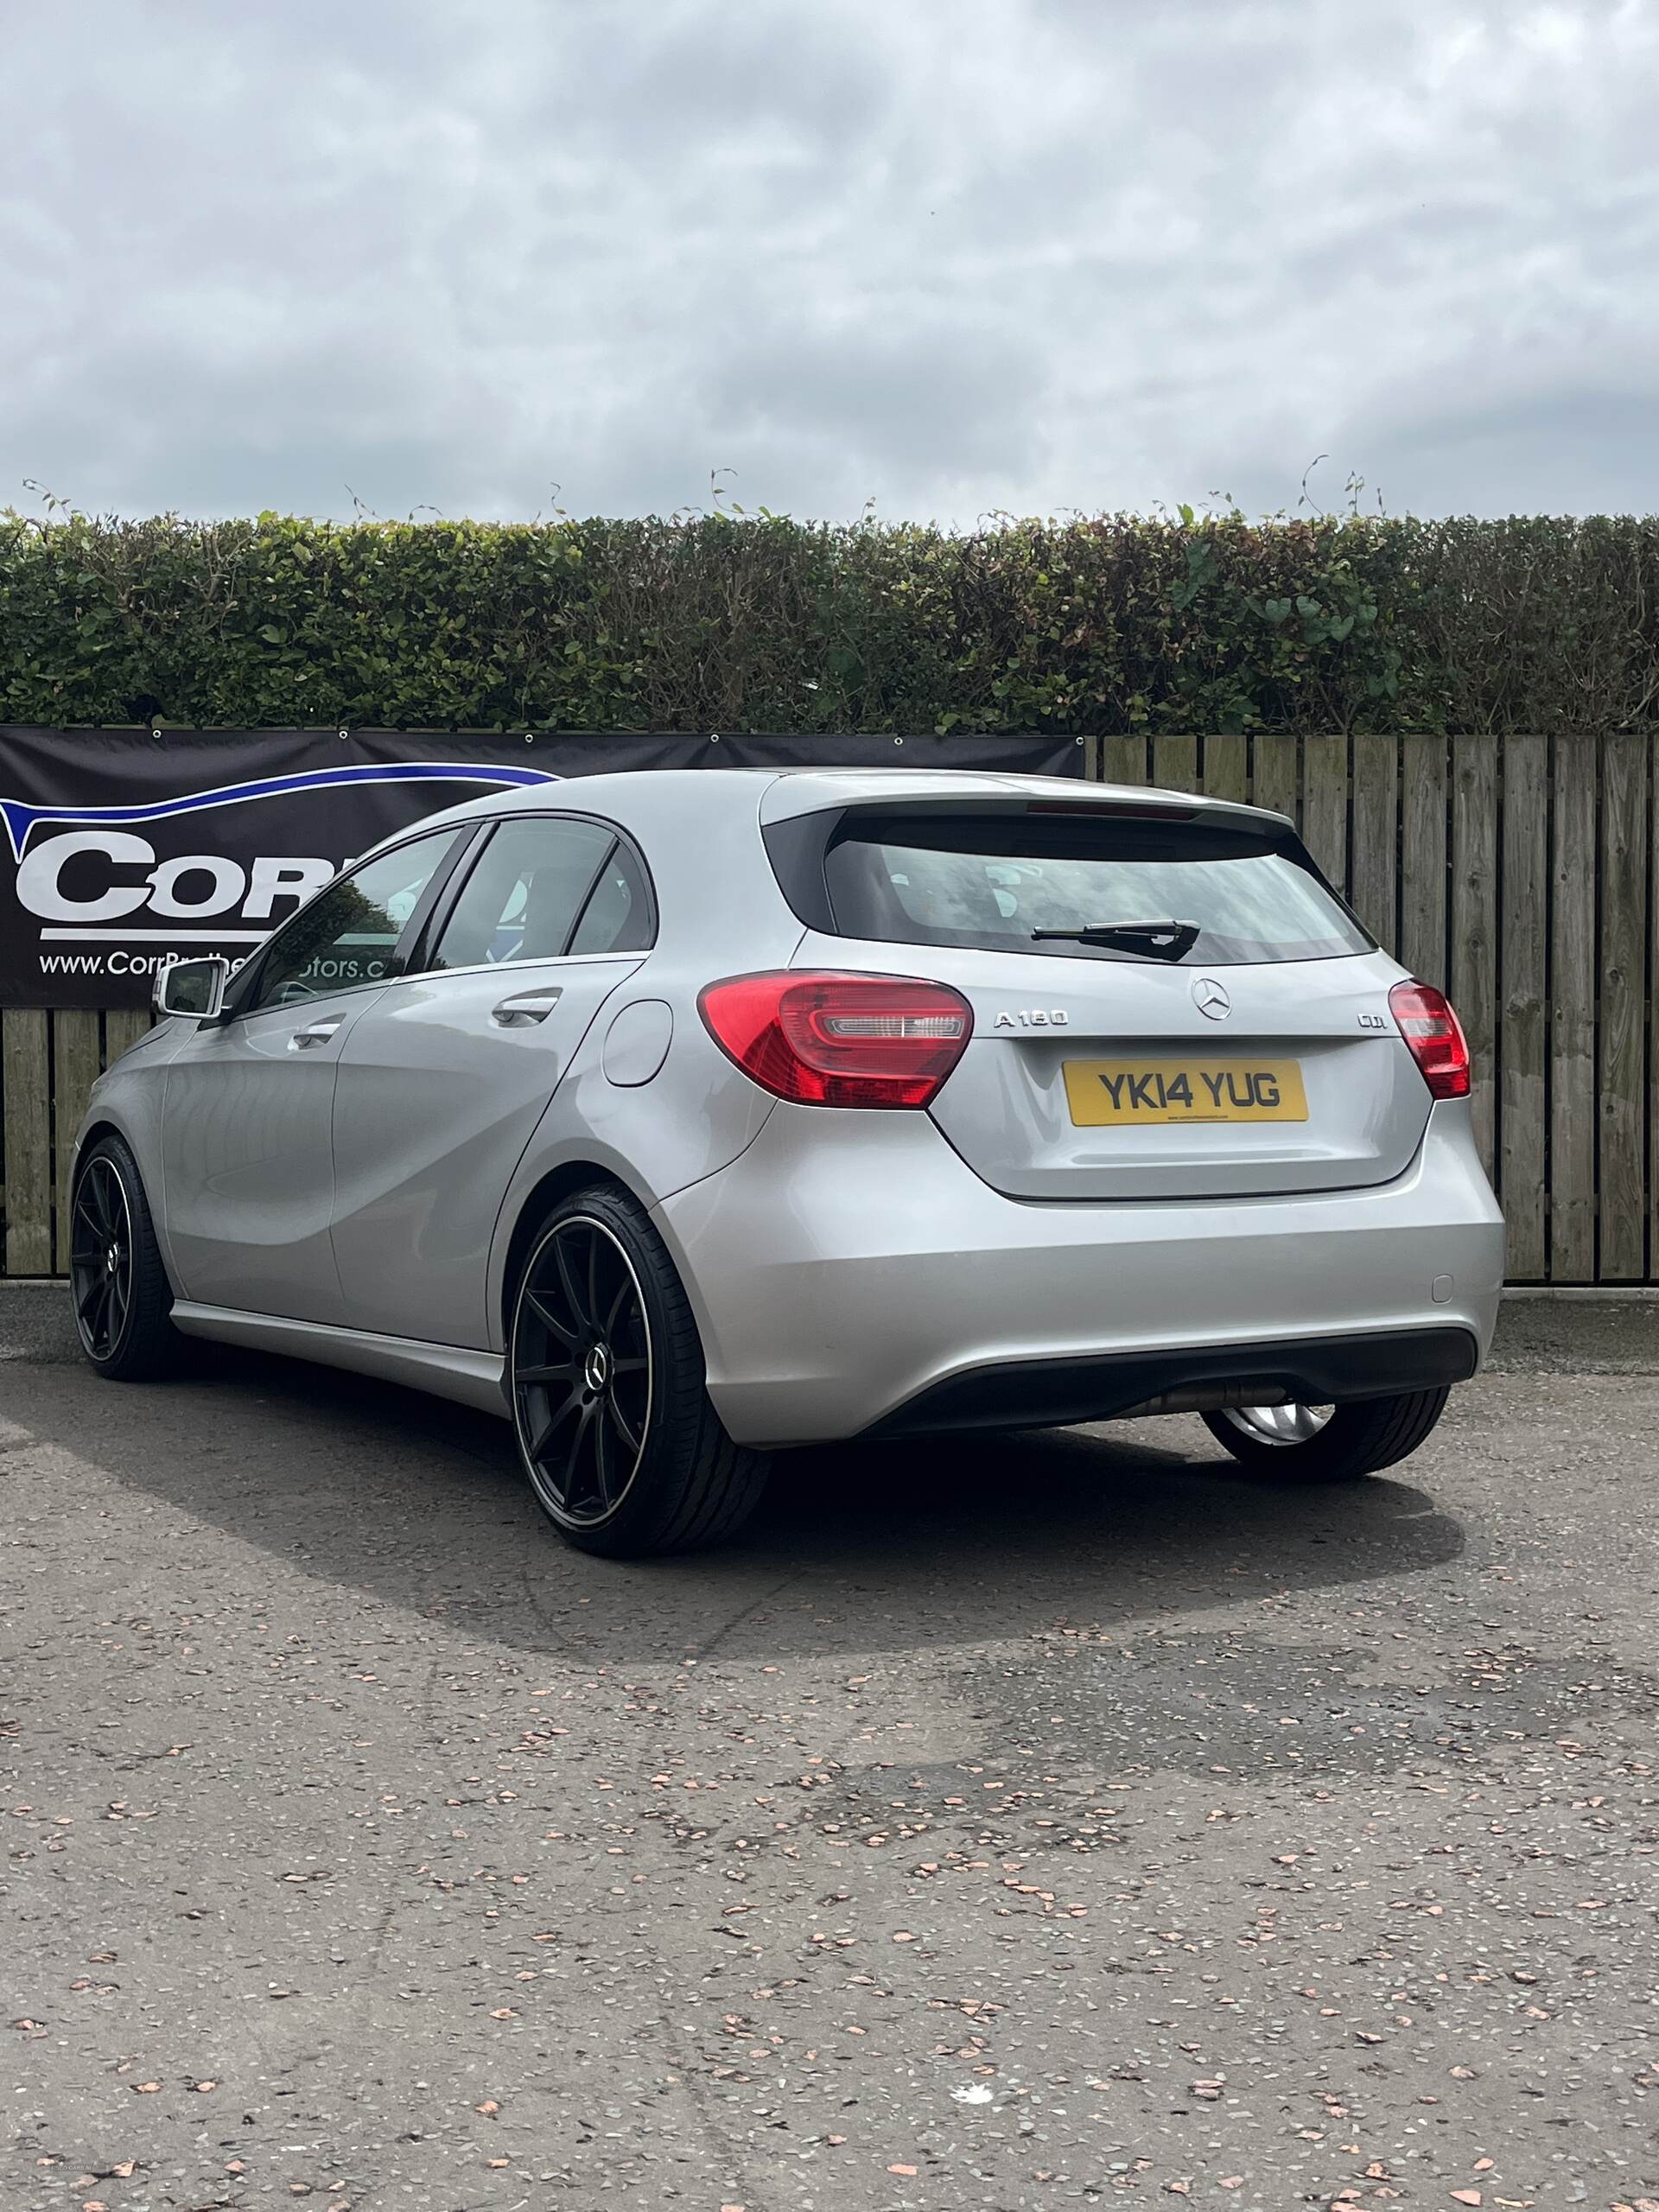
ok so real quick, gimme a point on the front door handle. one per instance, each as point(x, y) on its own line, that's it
point(318, 1034)
point(525, 1007)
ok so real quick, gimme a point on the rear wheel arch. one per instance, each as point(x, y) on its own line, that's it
point(539, 1202)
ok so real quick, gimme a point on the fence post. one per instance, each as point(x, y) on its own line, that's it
point(1474, 923)
point(1522, 929)
point(1422, 858)
point(1621, 1211)
point(1376, 837)
point(1573, 1013)
point(25, 1079)
point(75, 1070)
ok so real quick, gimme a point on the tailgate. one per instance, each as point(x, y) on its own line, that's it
point(1288, 1091)
point(1169, 1001)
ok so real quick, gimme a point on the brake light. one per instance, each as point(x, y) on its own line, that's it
point(1435, 1037)
point(828, 1039)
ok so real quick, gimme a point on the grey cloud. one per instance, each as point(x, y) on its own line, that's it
point(959, 255)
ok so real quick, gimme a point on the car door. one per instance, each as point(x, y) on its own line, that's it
point(247, 1115)
point(443, 1081)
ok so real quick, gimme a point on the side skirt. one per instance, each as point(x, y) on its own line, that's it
point(449, 1371)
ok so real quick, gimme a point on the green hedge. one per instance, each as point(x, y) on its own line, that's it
point(742, 622)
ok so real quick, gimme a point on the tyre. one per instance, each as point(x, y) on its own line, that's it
point(1326, 1444)
point(123, 1301)
point(625, 1453)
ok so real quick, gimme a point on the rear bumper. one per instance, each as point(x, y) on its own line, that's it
point(1305, 1370)
point(850, 1274)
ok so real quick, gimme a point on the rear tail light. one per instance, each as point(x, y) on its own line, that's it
point(827, 1039)
point(1435, 1037)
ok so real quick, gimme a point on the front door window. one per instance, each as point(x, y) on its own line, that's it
point(348, 936)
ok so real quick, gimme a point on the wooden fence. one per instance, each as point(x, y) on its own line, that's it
point(49, 1062)
point(1517, 873)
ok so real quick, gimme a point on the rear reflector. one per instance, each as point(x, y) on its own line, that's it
point(831, 1039)
point(1435, 1036)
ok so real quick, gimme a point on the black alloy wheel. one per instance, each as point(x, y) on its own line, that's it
point(582, 1374)
point(101, 1258)
point(123, 1300)
point(606, 1380)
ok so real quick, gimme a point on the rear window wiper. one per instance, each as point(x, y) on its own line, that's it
point(1159, 940)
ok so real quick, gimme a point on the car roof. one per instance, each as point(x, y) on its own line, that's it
point(633, 796)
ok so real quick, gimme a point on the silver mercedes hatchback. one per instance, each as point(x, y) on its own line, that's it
point(683, 1117)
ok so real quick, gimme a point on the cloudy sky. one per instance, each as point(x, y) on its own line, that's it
point(947, 257)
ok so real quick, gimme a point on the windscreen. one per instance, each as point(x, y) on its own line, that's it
point(995, 880)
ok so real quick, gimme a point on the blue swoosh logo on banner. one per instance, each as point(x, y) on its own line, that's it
point(21, 819)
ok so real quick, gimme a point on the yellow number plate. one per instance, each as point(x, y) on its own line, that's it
point(1109, 1093)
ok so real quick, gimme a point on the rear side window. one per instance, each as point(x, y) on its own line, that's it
point(543, 887)
point(524, 893)
point(993, 880)
point(617, 918)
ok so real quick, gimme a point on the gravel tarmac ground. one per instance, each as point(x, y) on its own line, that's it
point(1045, 1821)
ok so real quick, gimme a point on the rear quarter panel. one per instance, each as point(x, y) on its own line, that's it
point(696, 1115)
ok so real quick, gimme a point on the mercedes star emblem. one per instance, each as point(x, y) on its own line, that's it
point(1210, 997)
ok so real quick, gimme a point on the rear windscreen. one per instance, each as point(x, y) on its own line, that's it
point(991, 880)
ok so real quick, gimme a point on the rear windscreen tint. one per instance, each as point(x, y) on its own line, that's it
point(989, 880)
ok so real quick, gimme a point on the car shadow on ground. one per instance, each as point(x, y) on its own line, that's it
point(399, 1498)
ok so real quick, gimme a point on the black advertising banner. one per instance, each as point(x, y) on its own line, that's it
point(121, 851)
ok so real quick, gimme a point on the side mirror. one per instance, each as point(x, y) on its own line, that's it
point(194, 988)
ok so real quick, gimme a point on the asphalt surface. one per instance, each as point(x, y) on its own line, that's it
point(1060, 1820)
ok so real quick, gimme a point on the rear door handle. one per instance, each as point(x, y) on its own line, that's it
point(526, 1007)
point(318, 1034)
